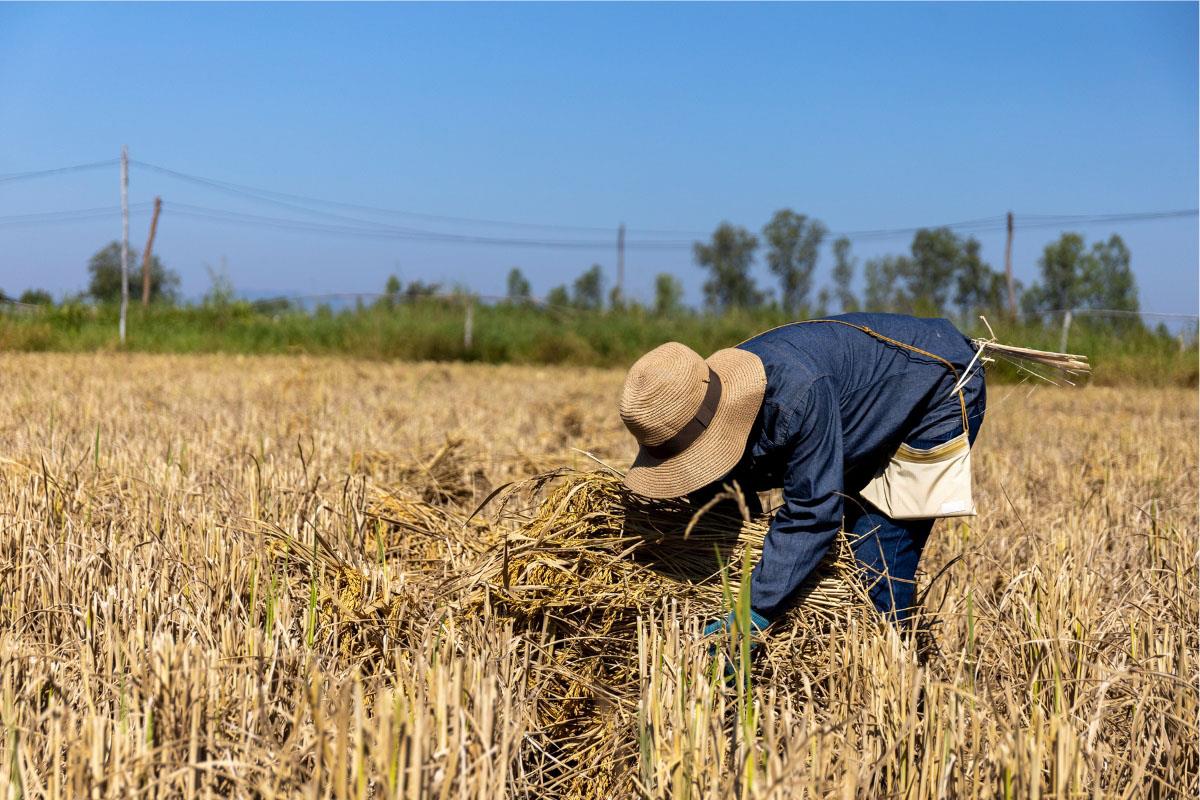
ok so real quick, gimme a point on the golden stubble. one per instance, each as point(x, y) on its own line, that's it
point(227, 576)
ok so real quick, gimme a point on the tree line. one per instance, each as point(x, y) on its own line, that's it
point(942, 273)
point(104, 280)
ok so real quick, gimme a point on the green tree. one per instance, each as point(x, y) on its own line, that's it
point(793, 245)
point(727, 257)
point(36, 297)
point(1076, 278)
point(518, 289)
point(1107, 278)
point(823, 300)
point(668, 295)
point(1060, 266)
point(937, 255)
point(558, 297)
point(588, 290)
point(940, 263)
point(419, 290)
point(105, 269)
point(392, 293)
point(978, 287)
point(843, 275)
point(883, 275)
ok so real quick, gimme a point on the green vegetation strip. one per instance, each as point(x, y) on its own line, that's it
point(511, 333)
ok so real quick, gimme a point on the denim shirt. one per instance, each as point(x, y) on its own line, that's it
point(838, 403)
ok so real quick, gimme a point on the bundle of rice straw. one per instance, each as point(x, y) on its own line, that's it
point(591, 549)
point(588, 561)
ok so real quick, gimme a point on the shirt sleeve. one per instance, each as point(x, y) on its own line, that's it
point(808, 520)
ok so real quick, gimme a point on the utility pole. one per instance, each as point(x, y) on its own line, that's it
point(1012, 292)
point(621, 263)
point(124, 237)
point(149, 249)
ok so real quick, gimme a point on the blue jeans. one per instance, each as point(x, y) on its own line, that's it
point(889, 549)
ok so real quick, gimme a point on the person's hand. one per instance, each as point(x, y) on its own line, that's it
point(758, 623)
point(726, 646)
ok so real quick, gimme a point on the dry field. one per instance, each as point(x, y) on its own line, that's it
point(227, 576)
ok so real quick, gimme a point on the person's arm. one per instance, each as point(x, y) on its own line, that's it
point(808, 521)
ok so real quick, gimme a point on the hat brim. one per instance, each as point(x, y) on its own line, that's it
point(720, 447)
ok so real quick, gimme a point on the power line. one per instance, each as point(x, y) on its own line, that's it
point(980, 225)
point(42, 173)
point(1110, 216)
point(374, 226)
point(999, 223)
point(371, 229)
point(379, 231)
point(263, 194)
point(74, 215)
point(972, 225)
point(363, 227)
point(1050, 221)
point(376, 230)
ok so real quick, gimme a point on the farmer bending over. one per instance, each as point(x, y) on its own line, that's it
point(864, 421)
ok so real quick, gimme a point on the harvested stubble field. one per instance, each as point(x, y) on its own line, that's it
point(256, 577)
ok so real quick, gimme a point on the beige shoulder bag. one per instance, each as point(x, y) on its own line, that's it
point(925, 484)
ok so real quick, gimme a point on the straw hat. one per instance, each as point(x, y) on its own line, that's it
point(692, 417)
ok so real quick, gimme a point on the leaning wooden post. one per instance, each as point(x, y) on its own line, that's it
point(149, 249)
point(1066, 330)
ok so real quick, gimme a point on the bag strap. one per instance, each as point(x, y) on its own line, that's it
point(962, 401)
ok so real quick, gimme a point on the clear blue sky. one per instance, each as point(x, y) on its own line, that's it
point(663, 116)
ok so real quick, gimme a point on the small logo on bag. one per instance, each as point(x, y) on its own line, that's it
point(954, 507)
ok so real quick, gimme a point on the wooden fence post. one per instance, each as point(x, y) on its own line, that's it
point(469, 325)
point(1066, 329)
